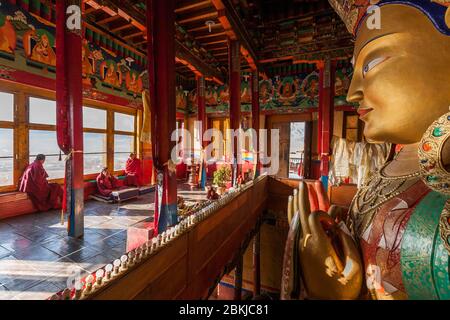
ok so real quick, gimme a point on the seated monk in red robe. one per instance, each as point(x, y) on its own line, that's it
point(133, 171)
point(45, 196)
point(107, 183)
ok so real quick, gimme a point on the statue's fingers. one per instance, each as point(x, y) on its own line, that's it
point(290, 209)
point(296, 198)
point(335, 212)
point(304, 208)
point(353, 269)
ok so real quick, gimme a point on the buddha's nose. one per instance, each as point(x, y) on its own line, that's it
point(355, 92)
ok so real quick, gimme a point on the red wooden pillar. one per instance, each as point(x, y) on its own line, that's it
point(326, 110)
point(235, 101)
point(161, 57)
point(255, 117)
point(69, 108)
point(201, 117)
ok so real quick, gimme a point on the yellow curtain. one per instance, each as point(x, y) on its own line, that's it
point(146, 135)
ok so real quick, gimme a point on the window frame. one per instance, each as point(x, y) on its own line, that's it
point(40, 127)
point(12, 125)
point(21, 127)
point(91, 176)
point(122, 133)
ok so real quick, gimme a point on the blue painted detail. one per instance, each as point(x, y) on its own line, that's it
point(203, 177)
point(324, 180)
point(167, 216)
point(433, 10)
point(76, 215)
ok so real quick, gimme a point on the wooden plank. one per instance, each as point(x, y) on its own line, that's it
point(150, 273)
point(188, 266)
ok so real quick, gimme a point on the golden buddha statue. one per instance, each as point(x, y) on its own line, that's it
point(397, 233)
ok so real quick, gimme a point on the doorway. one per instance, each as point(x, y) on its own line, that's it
point(297, 150)
point(295, 138)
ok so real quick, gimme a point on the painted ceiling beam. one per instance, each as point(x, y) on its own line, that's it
point(183, 54)
point(235, 29)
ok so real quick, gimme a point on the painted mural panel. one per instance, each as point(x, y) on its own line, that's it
point(344, 74)
point(286, 94)
point(28, 55)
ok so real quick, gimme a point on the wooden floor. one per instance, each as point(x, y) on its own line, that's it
point(37, 257)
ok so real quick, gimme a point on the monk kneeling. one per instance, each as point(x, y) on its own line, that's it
point(133, 171)
point(107, 183)
point(45, 196)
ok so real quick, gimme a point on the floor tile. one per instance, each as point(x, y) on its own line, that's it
point(40, 291)
point(94, 263)
point(83, 254)
point(4, 252)
point(37, 258)
point(37, 253)
point(63, 246)
point(15, 242)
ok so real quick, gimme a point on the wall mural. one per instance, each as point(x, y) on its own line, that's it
point(28, 54)
point(344, 74)
point(286, 94)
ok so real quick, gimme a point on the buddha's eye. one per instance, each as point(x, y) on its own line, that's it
point(372, 64)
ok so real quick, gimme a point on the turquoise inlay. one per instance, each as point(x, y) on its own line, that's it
point(422, 260)
point(441, 268)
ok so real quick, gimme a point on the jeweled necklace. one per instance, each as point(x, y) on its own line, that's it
point(376, 191)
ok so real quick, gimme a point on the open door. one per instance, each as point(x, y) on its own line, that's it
point(295, 133)
point(285, 130)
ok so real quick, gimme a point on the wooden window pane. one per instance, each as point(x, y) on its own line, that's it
point(6, 157)
point(6, 107)
point(42, 111)
point(42, 141)
point(94, 118)
point(94, 152)
point(123, 122)
point(123, 146)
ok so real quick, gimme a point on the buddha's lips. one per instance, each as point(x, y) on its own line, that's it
point(362, 112)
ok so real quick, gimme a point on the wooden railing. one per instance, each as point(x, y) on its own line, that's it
point(191, 263)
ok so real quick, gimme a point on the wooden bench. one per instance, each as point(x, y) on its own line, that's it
point(14, 204)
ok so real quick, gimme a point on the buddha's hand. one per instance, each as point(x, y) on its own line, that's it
point(329, 258)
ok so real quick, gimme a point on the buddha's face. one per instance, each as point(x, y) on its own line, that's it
point(401, 78)
point(44, 40)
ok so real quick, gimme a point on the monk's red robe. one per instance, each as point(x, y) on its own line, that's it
point(106, 185)
point(44, 195)
point(133, 172)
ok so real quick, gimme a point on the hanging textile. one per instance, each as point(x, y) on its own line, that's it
point(353, 162)
point(146, 135)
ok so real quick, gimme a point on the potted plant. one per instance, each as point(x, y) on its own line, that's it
point(221, 177)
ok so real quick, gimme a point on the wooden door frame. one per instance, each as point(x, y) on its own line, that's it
point(296, 117)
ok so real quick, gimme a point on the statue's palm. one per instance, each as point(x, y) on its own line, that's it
point(329, 259)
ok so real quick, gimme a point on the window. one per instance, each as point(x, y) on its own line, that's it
point(123, 122)
point(124, 139)
point(123, 146)
point(94, 118)
point(6, 139)
point(95, 140)
point(297, 150)
point(43, 141)
point(94, 152)
point(42, 136)
point(42, 111)
point(6, 157)
point(6, 107)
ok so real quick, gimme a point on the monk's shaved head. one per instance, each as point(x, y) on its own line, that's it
point(40, 157)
